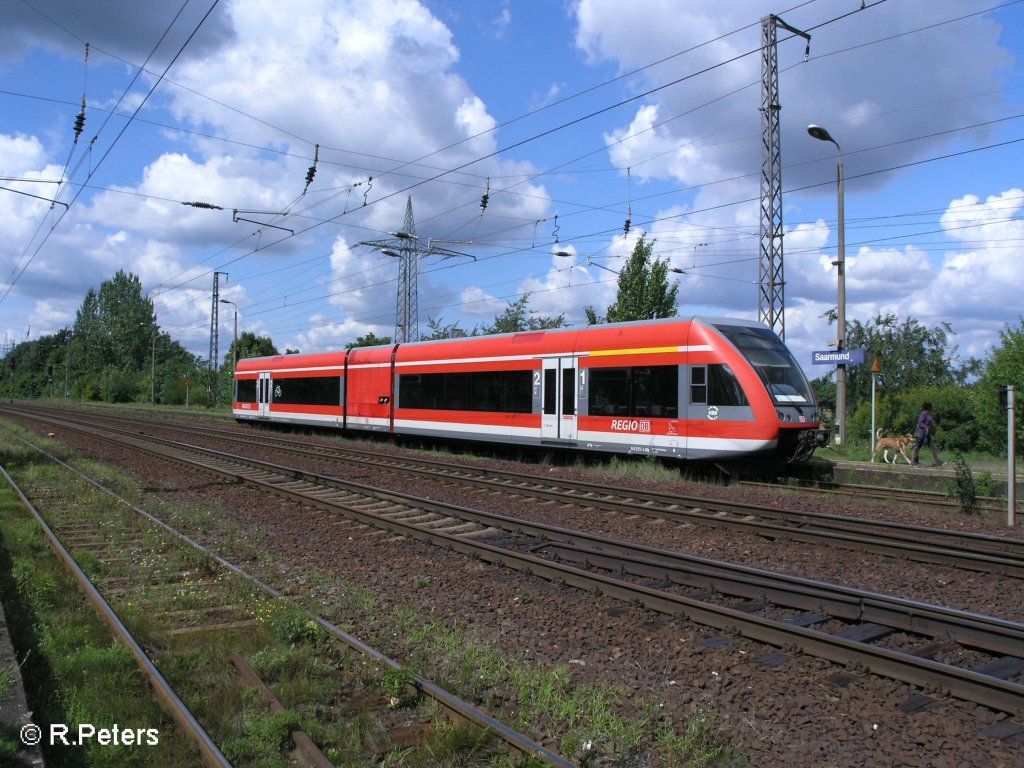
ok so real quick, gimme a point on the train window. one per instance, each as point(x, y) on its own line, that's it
point(656, 391)
point(432, 392)
point(609, 392)
point(723, 387)
point(246, 391)
point(641, 391)
point(497, 391)
point(458, 392)
point(517, 391)
point(316, 390)
point(549, 390)
point(778, 370)
point(568, 391)
point(699, 385)
point(486, 391)
point(410, 391)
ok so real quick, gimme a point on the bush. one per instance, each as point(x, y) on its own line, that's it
point(118, 386)
point(955, 428)
point(963, 488)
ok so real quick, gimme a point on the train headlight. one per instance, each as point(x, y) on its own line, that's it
point(784, 416)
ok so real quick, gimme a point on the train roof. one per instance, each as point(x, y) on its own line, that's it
point(314, 359)
point(699, 319)
point(331, 358)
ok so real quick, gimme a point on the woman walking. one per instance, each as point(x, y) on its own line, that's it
point(926, 436)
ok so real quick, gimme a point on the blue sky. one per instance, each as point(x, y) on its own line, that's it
point(590, 110)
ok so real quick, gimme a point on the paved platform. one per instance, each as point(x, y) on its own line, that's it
point(925, 476)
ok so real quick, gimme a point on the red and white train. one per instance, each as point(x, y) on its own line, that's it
point(699, 389)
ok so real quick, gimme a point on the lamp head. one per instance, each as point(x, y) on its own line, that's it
point(819, 133)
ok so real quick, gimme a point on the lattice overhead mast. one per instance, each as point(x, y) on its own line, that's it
point(771, 281)
point(214, 337)
point(407, 310)
point(404, 245)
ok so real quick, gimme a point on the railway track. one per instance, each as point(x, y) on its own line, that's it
point(74, 535)
point(211, 608)
point(988, 504)
point(977, 552)
point(916, 643)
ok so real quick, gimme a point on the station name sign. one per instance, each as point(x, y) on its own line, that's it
point(838, 357)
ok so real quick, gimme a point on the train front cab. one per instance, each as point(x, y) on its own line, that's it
point(703, 389)
point(782, 403)
point(673, 389)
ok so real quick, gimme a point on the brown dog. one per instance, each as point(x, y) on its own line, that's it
point(898, 446)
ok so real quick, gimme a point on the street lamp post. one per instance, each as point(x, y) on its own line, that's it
point(817, 132)
point(67, 372)
point(152, 366)
point(234, 345)
point(152, 372)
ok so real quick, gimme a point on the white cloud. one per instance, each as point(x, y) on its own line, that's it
point(472, 117)
point(501, 24)
point(982, 281)
point(477, 303)
point(650, 151)
point(20, 154)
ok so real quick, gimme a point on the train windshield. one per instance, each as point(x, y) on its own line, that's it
point(774, 363)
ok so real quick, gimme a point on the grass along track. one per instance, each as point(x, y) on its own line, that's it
point(194, 612)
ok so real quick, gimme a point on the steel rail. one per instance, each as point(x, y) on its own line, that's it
point(988, 633)
point(451, 703)
point(212, 756)
point(650, 503)
point(931, 545)
point(979, 688)
point(985, 632)
point(881, 492)
point(961, 683)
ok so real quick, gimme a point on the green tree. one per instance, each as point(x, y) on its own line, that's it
point(91, 344)
point(185, 381)
point(440, 330)
point(249, 345)
point(956, 428)
point(1004, 366)
point(517, 317)
point(172, 363)
point(644, 290)
point(33, 368)
point(113, 336)
point(911, 356)
point(369, 340)
point(129, 319)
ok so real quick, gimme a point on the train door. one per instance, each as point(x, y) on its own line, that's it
point(559, 401)
point(263, 393)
